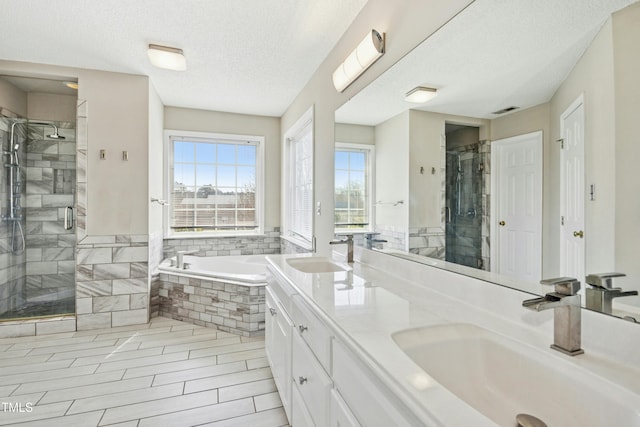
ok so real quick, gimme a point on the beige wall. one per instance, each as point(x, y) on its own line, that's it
point(213, 121)
point(392, 172)
point(12, 99)
point(406, 24)
point(49, 106)
point(156, 170)
point(355, 134)
point(118, 112)
point(425, 189)
point(626, 36)
point(118, 120)
point(592, 77)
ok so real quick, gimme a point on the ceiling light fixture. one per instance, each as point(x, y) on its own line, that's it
point(169, 58)
point(368, 51)
point(71, 85)
point(421, 94)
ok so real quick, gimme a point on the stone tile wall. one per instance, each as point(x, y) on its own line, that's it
point(112, 281)
point(228, 307)
point(396, 238)
point(427, 241)
point(50, 189)
point(269, 243)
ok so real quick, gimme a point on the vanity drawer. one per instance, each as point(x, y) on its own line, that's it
point(281, 290)
point(369, 401)
point(311, 381)
point(313, 332)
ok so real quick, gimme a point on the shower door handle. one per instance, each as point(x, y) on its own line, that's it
point(68, 218)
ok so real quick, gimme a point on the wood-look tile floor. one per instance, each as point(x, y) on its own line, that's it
point(165, 373)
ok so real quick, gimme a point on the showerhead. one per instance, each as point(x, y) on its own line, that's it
point(55, 134)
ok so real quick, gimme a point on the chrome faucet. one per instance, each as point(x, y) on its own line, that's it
point(566, 317)
point(180, 258)
point(349, 242)
point(601, 293)
point(370, 241)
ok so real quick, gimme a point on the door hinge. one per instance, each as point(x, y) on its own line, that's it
point(561, 141)
point(562, 220)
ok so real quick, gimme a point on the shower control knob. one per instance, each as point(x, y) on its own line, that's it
point(502, 223)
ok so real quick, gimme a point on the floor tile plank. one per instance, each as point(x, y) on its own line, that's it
point(163, 373)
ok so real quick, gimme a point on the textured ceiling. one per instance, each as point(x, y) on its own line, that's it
point(247, 56)
point(495, 54)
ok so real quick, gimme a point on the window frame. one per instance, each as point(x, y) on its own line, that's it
point(306, 121)
point(171, 135)
point(369, 177)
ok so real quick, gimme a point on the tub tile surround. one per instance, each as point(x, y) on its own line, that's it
point(229, 307)
point(419, 295)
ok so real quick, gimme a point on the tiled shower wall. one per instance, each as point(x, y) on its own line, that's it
point(50, 189)
point(12, 266)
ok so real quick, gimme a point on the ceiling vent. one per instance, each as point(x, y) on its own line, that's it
point(505, 110)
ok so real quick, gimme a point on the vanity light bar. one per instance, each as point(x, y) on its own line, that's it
point(370, 49)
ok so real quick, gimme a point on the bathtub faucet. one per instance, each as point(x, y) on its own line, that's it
point(180, 258)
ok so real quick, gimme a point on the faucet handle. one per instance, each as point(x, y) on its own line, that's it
point(603, 280)
point(563, 285)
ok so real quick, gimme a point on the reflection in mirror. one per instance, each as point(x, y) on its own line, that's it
point(518, 169)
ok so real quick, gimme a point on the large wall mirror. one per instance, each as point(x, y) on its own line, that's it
point(523, 167)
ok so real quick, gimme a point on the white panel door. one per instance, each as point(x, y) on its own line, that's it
point(572, 192)
point(517, 222)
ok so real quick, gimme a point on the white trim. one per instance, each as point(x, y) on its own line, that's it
point(306, 119)
point(371, 171)
point(259, 142)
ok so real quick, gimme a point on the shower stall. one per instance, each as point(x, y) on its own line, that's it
point(37, 232)
point(465, 198)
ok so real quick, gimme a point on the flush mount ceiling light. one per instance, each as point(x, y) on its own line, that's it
point(71, 85)
point(368, 51)
point(169, 58)
point(421, 94)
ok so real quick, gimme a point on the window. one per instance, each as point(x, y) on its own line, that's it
point(214, 184)
point(353, 187)
point(299, 182)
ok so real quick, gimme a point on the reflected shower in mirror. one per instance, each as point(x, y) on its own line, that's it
point(517, 170)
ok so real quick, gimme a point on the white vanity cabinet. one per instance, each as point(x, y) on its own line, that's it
point(320, 380)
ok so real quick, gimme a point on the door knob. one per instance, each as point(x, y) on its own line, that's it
point(502, 223)
point(579, 234)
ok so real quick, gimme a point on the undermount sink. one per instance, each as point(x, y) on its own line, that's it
point(316, 265)
point(502, 378)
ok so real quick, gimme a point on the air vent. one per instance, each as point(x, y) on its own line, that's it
point(505, 110)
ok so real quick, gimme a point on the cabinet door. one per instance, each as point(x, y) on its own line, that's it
point(311, 381)
point(341, 415)
point(300, 415)
point(278, 348)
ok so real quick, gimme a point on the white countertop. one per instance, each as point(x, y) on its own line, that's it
point(366, 306)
